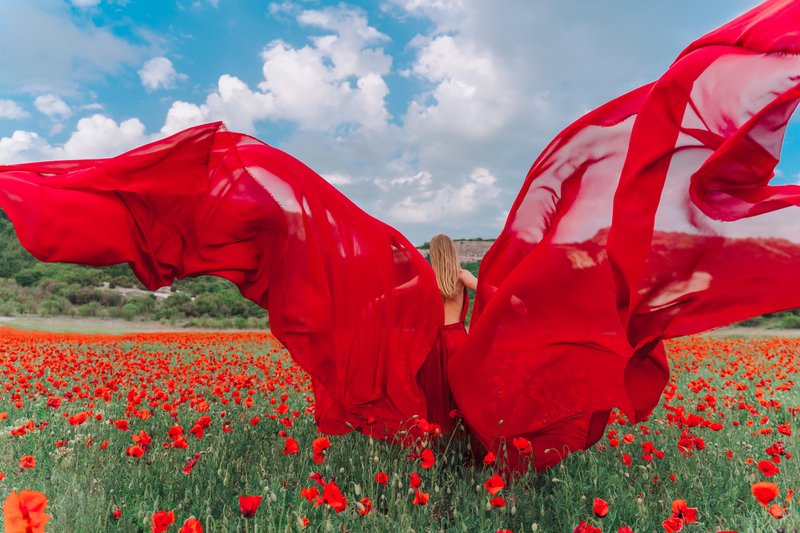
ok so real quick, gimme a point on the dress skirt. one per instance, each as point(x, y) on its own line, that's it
point(433, 374)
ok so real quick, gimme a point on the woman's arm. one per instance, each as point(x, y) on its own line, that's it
point(469, 281)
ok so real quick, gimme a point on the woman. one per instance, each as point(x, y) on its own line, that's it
point(453, 282)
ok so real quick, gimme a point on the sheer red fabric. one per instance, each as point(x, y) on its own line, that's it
point(574, 299)
point(433, 376)
point(351, 299)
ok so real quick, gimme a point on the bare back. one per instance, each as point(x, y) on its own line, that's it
point(454, 306)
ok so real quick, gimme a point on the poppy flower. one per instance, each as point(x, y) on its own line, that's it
point(122, 425)
point(162, 520)
point(768, 468)
point(764, 492)
point(625, 529)
point(309, 494)
point(134, 451)
point(497, 501)
point(626, 459)
point(320, 446)
point(248, 505)
point(27, 461)
point(583, 527)
point(117, 513)
point(522, 445)
point(428, 459)
point(672, 524)
point(381, 478)
point(333, 496)
point(290, 446)
point(681, 510)
point(421, 498)
point(775, 510)
point(600, 507)
point(191, 525)
point(414, 480)
point(23, 512)
point(489, 458)
point(494, 484)
point(78, 419)
point(364, 506)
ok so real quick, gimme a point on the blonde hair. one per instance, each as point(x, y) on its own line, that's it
point(444, 260)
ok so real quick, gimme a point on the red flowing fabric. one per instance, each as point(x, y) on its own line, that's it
point(351, 299)
point(433, 377)
point(574, 299)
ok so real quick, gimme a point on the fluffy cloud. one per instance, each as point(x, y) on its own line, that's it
point(11, 109)
point(159, 73)
point(52, 106)
point(335, 81)
point(95, 136)
point(53, 52)
point(83, 4)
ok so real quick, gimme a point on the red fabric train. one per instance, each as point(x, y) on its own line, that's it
point(648, 218)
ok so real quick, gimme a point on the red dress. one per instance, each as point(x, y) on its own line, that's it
point(433, 373)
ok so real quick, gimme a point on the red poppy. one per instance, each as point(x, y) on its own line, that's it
point(414, 480)
point(290, 446)
point(162, 520)
point(421, 498)
point(23, 512)
point(768, 468)
point(494, 484)
point(248, 505)
point(191, 525)
point(625, 529)
point(117, 513)
point(764, 492)
point(672, 524)
point(320, 446)
point(334, 497)
point(583, 527)
point(134, 451)
point(522, 445)
point(497, 501)
point(489, 458)
point(600, 507)
point(78, 419)
point(382, 478)
point(428, 459)
point(122, 425)
point(27, 461)
point(681, 510)
point(626, 459)
point(775, 510)
point(364, 506)
point(309, 494)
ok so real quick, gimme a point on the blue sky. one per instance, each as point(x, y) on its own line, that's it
point(427, 113)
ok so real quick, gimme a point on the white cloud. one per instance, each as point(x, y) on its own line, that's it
point(95, 136)
point(48, 50)
point(427, 204)
point(83, 4)
point(52, 106)
point(159, 73)
point(337, 80)
point(23, 146)
point(11, 109)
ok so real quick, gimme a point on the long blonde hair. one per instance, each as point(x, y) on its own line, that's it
point(444, 260)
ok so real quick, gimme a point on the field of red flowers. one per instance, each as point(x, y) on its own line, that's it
point(215, 432)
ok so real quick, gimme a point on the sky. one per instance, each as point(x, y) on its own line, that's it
point(426, 113)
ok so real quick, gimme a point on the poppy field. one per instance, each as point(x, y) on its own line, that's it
point(188, 432)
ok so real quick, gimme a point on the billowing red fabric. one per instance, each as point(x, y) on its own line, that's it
point(352, 300)
point(433, 377)
point(572, 307)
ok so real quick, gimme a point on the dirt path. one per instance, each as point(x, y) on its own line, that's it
point(111, 326)
point(119, 326)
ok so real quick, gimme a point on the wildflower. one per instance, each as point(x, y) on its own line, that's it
point(23, 512)
point(248, 505)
